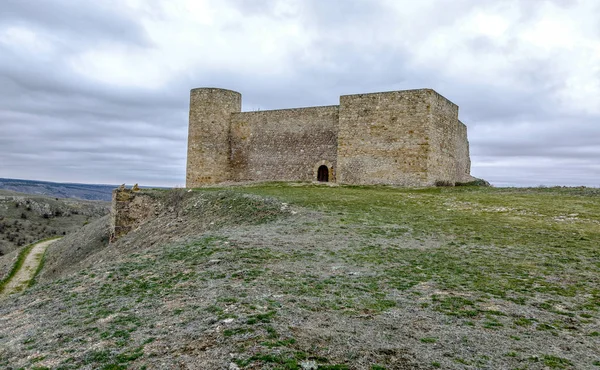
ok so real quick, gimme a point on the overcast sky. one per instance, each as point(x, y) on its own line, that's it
point(98, 91)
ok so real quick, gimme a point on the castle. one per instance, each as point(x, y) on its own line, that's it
point(405, 138)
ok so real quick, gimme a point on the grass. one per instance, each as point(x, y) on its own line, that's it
point(503, 242)
point(467, 215)
point(555, 362)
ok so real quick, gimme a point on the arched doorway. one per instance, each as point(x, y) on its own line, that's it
point(323, 174)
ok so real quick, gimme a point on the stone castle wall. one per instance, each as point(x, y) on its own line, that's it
point(443, 131)
point(463, 160)
point(383, 138)
point(407, 138)
point(208, 137)
point(283, 145)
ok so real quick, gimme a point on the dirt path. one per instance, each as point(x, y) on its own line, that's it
point(25, 274)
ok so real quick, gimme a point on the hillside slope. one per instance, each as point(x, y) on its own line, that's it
point(26, 218)
point(290, 277)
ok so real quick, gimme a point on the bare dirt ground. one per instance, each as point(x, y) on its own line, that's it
point(24, 275)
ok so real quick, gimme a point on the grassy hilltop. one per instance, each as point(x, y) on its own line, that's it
point(293, 276)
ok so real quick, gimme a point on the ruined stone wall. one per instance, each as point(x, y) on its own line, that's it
point(384, 138)
point(283, 145)
point(208, 138)
point(130, 209)
point(443, 137)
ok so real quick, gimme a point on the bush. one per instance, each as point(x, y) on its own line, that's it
point(476, 182)
point(444, 183)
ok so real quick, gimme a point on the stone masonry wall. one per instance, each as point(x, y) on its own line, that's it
point(384, 138)
point(463, 158)
point(283, 145)
point(443, 134)
point(208, 138)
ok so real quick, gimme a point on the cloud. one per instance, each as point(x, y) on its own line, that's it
point(84, 22)
point(98, 91)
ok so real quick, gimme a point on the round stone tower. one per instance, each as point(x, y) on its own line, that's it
point(208, 137)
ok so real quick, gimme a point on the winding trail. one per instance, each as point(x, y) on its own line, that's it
point(21, 279)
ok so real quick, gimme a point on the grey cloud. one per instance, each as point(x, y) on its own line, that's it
point(23, 72)
point(528, 172)
point(58, 125)
point(253, 7)
point(61, 126)
point(85, 21)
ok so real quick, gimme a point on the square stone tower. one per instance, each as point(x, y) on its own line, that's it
point(410, 138)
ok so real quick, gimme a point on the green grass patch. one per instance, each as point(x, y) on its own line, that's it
point(555, 362)
point(261, 318)
point(237, 331)
point(510, 243)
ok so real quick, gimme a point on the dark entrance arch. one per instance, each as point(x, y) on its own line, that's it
point(323, 174)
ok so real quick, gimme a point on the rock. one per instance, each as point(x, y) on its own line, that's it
point(309, 365)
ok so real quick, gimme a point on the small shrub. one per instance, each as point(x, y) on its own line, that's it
point(444, 183)
point(476, 182)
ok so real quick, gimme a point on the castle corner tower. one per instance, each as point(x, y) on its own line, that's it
point(208, 136)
